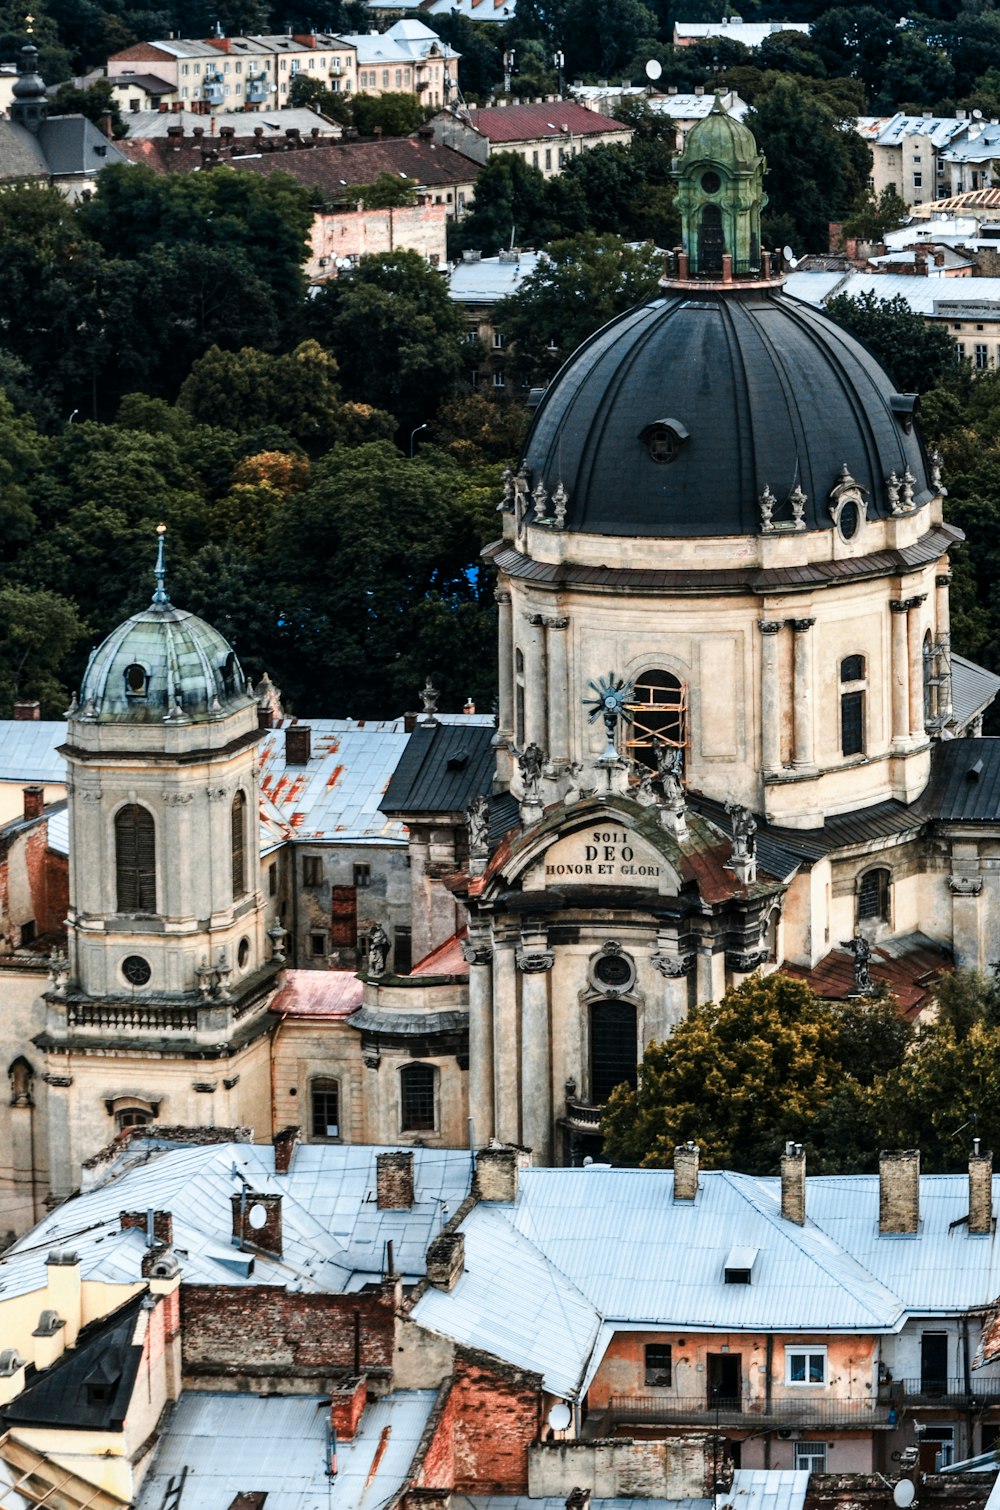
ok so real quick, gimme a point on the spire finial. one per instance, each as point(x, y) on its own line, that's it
point(160, 570)
point(29, 24)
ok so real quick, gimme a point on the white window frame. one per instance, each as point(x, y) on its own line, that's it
point(814, 1454)
point(805, 1351)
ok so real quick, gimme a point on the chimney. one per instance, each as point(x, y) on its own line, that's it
point(157, 1225)
point(980, 1192)
point(12, 1374)
point(899, 1192)
point(686, 1156)
point(394, 1181)
point(496, 1174)
point(257, 1221)
point(793, 1184)
point(410, 722)
point(285, 1143)
point(298, 744)
point(348, 1399)
point(34, 801)
point(468, 707)
point(446, 1260)
point(27, 712)
point(104, 124)
point(64, 1292)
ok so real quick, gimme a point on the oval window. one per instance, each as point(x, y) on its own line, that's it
point(711, 182)
point(850, 520)
point(613, 970)
point(136, 970)
point(243, 953)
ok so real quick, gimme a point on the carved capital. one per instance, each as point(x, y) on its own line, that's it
point(476, 954)
point(769, 626)
point(897, 605)
point(502, 596)
point(673, 965)
point(559, 623)
point(536, 620)
point(743, 963)
point(965, 886)
point(534, 961)
point(216, 793)
point(60, 1082)
point(944, 580)
point(801, 625)
point(91, 796)
point(916, 602)
point(177, 799)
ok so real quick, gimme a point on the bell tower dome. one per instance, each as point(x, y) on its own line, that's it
point(720, 195)
point(161, 749)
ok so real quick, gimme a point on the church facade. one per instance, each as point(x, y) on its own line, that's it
point(732, 736)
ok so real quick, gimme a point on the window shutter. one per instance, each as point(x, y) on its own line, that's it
point(237, 817)
point(135, 859)
point(343, 917)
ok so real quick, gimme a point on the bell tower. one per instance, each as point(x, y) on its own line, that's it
point(720, 196)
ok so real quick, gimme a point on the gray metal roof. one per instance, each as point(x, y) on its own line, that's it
point(20, 153)
point(491, 279)
point(335, 797)
point(965, 781)
point(73, 146)
point(145, 124)
point(443, 767)
point(29, 751)
point(973, 688)
point(233, 1444)
point(333, 1232)
point(768, 1489)
point(945, 297)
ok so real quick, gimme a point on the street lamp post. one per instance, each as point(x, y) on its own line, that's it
point(415, 433)
point(559, 59)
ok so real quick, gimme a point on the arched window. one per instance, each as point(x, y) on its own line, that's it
point(519, 699)
point(238, 829)
point(873, 896)
point(417, 1084)
point(711, 244)
point(324, 1096)
point(136, 680)
point(132, 1116)
point(935, 677)
point(659, 717)
point(21, 1078)
point(614, 1050)
point(852, 705)
point(135, 859)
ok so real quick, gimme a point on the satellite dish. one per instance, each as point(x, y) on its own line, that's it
point(560, 1416)
point(257, 1217)
point(788, 254)
point(903, 1494)
point(653, 69)
point(977, 115)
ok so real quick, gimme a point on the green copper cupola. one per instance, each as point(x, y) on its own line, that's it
point(720, 195)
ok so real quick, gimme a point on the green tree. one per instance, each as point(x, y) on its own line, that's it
point(917, 356)
point(914, 74)
point(94, 102)
point(511, 203)
point(480, 47)
point(942, 1095)
point(387, 114)
point(38, 631)
point(765, 1064)
point(815, 173)
point(389, 191)
point(395, 333)
point(855, 40)
point(877, 214)
point(579, 285)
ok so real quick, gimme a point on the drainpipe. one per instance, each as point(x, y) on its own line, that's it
point(970, 1417)
point(295, 905)
point(768, 1360)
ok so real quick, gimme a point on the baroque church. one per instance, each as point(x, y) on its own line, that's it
point(732, 736)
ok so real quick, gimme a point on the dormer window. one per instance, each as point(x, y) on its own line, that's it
point(738, 1269)
point(664, 439)
point(136, 680)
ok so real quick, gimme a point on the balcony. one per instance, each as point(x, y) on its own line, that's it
point(746, 1413)
point(951, 1394)
point(581, 1117)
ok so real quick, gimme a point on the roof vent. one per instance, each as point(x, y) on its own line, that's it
point(48, 1324)
point(738, 1267)
point(460, 760)
point(975, 771)
point(10, 1362)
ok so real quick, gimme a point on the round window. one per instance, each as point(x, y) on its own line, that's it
point(136, 970)
point(243, 953)
point(849, 521)
point(711, 182)
point(613, 970)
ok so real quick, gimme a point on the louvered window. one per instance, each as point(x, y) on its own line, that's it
point(237, 818)
point(135, 859)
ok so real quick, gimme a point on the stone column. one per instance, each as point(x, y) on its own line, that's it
point(900, 673)
point(480, 957)
point(803, 753)
point(505, 653)
point(915, 649)
point(535, 721)
point(558, 691)
point(942, 604)
point(506, 1115)
point(770, 698)
point(536, 1069)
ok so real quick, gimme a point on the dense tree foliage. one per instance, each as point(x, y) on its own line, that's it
point(918, 356)
point(772, 1062)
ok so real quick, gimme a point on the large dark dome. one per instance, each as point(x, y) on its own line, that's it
point(757, 391)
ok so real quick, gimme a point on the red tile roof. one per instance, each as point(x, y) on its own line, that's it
point(446, 959)
point(909, 968)
point(319, 993)
point(322, 164)
point(525, 123)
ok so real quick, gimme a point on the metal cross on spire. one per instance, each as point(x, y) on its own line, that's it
point(160, 570)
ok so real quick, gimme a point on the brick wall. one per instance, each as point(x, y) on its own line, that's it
point(263, 1332)
point(483, 1430)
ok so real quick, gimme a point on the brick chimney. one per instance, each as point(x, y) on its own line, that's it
point(496, 1174)
point(980, 1191)
point(27, 712)
point(257, 1221)
point(347, 1404)
point(34, 801)
point(161, 1223)
point(298, 744)
point(793, 1184)
point(446, 1260)
point(285, 1143)
point(686, 1157)
point(899, 1191)
point(394, 1180)
point(64, 1292)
